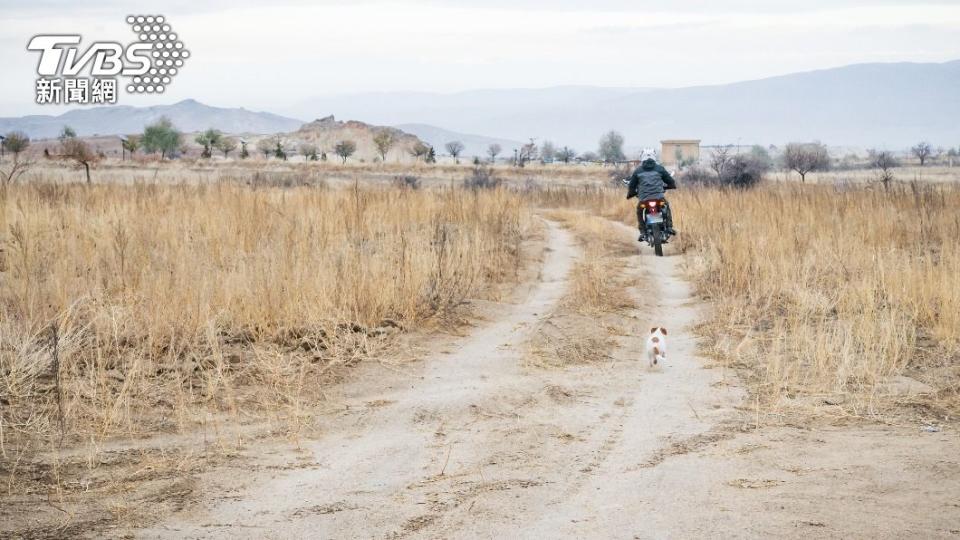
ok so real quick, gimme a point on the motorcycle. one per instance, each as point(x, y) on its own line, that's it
point(655, 227)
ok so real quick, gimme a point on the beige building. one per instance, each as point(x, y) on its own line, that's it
point(673, 151)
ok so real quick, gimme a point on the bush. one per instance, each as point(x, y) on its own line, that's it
point(744, 171)
point(481, 177)
point(740, 171)
point(697, 176)
point(406, 181)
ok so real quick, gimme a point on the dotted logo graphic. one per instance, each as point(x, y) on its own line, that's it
point(167, 54)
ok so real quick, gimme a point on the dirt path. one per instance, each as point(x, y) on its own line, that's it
point(480, 445)
point(477, 444)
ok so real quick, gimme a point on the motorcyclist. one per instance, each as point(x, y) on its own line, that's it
point(648, 182)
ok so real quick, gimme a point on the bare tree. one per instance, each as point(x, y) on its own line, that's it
point(454, 148)
point(527, 153)
point(77, 150)
point(611, 147)
point(227, 145)
point(309, 151)
point(923, 151)
point(345, 149)
point(806, 157)
point(719, 161)
point(384, 140)
point(419, 150)
point(493, 151)
point(265, 147)
point(884, 162)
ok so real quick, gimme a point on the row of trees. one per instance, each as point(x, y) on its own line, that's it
point(610, 151)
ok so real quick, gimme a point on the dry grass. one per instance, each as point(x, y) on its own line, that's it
point(822, 294)
point(581, 328)
point(273, 172)
point(178, 304)
point(819, 291)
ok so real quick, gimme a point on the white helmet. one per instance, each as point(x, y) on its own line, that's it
point(648, 153)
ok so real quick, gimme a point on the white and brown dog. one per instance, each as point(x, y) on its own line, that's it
point(657, 345)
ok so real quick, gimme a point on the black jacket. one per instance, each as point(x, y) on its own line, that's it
point(649, 181)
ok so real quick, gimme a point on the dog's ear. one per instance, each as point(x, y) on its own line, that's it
point(664, 330)
point(654, 329)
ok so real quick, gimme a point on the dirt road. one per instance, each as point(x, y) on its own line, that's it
point(475, 443)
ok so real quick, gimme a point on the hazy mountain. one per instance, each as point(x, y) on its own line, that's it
point(188, 115)
point(891, 105)
point(888, 105)
point(474, 145)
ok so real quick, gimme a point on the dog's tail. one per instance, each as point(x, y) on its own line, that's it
point(656, 354)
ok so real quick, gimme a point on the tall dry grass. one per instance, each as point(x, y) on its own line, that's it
point(137, 309)
point(821, 291)
point(832, 291)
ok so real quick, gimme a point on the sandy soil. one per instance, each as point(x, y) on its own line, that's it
point(475, 442)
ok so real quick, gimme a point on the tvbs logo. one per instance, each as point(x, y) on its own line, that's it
point(148, 64)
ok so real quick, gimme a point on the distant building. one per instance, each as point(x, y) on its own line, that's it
point(673, 151)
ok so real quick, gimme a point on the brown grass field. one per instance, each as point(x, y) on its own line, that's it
point(142, 305)
point(224, 297)
point(822, 292)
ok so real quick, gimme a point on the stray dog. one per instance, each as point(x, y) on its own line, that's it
point(657, 345)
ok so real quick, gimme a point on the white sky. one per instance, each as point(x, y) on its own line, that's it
point(268, 55)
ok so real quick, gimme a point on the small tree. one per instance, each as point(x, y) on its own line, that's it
point(67, 133)
point(454, 148)
point(209, 140)
point(923, 151)
point(309, 151)
point(265, 147)
point(77, 150)
point(589, 156)
point(244, 154)
point(419, 150)
point(227, 145)
point(384, 141)
point(528, 152)
point(719, 161)
point(431, 155)
point(345, 149)
point(16, 142)
point(884, 162)
point(278, 150)
point(566, 154)
point(762, 155)
point(548, 151)
point(806, 157)
point(161, 136)
point(493, 151)
point(611, 147)
point(130, 144)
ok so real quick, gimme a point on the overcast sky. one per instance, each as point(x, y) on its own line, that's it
point(267, 55)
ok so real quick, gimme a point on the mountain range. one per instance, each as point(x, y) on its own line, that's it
point(891, 105)
point(188, 115)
